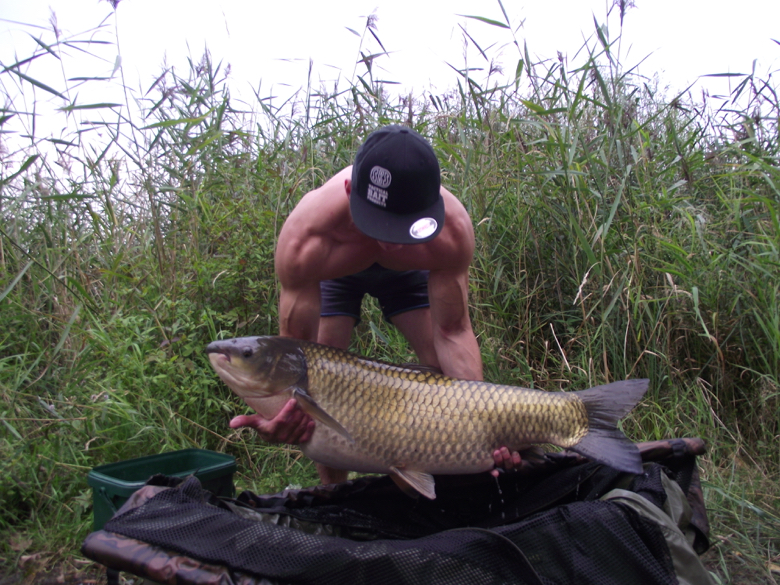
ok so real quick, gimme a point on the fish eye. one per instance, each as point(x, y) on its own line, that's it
point(247, 352)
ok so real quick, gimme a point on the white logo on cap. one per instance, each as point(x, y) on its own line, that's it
point(380, 177)
point(377, 196)
point(423, 228)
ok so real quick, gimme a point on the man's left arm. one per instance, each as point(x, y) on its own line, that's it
point(453, 336)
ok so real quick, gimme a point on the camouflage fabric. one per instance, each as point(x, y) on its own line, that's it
point(290, 508)
point(157, 565)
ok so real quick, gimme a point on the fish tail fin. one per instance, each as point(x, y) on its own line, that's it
point(605, 406)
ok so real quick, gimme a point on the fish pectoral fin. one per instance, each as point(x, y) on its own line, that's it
point(414, 483)
point(314, 410)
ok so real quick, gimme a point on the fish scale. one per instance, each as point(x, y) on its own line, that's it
point(420, 421)
point(411, 423)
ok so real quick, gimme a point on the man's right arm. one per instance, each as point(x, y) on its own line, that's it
point(299, 315)
point(299, 310)
point(297, 261)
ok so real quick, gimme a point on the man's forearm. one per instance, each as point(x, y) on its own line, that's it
point(459, 355)
point(453, 337)
point(299, 313)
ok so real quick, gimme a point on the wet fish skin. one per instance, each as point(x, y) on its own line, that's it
point(382, 418)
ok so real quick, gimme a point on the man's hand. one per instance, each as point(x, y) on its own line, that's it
point(505, 460)
point(291, 425)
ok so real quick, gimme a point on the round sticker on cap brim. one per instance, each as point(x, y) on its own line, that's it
point(423, 228)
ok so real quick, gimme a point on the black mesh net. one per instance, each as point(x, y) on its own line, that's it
point(549, 529)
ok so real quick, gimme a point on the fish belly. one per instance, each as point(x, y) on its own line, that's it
point(330, 448)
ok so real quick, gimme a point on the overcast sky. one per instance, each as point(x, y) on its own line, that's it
point(271, 42)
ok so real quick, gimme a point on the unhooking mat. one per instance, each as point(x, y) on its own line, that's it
point(560, 520)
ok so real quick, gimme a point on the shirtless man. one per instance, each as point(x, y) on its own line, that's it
point(384, 225)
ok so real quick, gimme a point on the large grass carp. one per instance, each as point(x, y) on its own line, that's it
point(375, 417)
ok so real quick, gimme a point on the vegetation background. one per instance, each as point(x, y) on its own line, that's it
point(620, 233)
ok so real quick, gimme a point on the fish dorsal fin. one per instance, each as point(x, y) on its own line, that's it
point(314, 410)
point(413, 483)
point(421, 368)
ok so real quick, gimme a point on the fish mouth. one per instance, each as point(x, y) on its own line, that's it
point(231, 370)
point(218, 359)
point(214, 351)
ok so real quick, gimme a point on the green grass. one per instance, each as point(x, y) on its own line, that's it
point(620, 233)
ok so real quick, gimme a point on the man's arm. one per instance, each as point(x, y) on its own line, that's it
point(448, 287)
point(453, 337)
point(299, 309)
point(299, 314)
point(300, 255)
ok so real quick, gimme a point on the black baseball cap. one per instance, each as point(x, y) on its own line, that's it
point(396, 187)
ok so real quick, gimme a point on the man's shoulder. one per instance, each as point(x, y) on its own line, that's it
point(452, 204)
point(335, 184)
point(458, 228)
point(320, 205)
point(318, 239)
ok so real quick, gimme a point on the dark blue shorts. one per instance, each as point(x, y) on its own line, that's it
point(396, 292)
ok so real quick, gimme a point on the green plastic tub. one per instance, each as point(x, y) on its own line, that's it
point(114, 483)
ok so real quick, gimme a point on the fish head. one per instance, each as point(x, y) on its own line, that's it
point(258, 367)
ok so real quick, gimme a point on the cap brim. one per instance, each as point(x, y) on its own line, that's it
point(414, 228)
